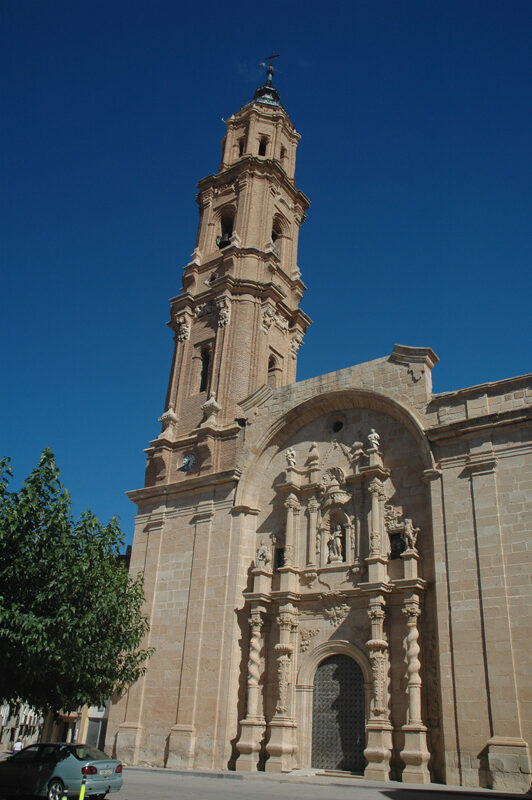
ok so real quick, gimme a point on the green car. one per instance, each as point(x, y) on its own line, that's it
point(57, 770)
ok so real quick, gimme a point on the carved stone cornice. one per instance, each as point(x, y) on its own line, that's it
point(481, 463)
point(473, 425)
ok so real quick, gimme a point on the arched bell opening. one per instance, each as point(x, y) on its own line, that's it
point(280, 230)
point(227, 221)
point(274, 371)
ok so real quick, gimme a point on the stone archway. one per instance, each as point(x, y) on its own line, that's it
point(309, 666)
point(338, 715)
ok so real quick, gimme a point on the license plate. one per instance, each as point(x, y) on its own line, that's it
point(106, 772)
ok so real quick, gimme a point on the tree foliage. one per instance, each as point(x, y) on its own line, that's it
point(71, 622)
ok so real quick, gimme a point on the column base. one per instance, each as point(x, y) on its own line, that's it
point(281, 746)
point(181, 747)
point(128, 740)
point(378, 750)
point(249, 744)
point(415, 754)
point(508, 764)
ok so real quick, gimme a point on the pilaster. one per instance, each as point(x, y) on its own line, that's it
point(378, 750)
point(507, 754)
point(281, 746)
point(182, 739)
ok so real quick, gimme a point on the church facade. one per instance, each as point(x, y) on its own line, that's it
point(337, 571)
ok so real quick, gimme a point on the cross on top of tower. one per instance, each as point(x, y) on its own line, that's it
point(269, 67)
point(267, 94)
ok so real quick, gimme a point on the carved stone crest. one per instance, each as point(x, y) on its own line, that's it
point(335, 609)
point(306, 636)
point(183, 329)
point(295, 343)
point(224, 312)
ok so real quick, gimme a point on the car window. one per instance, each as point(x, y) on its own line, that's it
point(52, 753)
point(84, 752)
point(30, 753)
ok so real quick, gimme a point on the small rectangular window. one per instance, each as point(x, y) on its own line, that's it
point(397, 545)
point(205, 368)
point(278, 559)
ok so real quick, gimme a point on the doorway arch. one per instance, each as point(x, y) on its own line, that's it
point(338, 715)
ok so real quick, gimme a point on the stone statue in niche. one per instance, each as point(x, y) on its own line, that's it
point(262, 557)
point(290, 457)
point(410, 534)
point(335, 545)
point(374, 440)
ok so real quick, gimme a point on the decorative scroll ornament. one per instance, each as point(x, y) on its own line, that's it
point(204, 308)
point(268, 318)
point(224, 312)
point(392, 518)
point(281, 323)
point(306, 636)
point(168, 418)
point(183, 329)
point(295, 343)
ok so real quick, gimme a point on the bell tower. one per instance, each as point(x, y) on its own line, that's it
point(237, 321)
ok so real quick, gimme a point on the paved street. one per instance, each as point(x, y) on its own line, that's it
point(147, 784)
point(160, 784)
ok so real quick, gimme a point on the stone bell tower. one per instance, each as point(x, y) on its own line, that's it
point(237, 321)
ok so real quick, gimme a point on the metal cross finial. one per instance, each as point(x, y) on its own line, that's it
point(269, 67)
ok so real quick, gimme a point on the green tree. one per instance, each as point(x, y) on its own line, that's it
point(71, 622)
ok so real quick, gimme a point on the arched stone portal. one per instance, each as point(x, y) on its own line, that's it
point(338, 715)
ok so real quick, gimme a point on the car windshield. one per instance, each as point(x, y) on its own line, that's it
point(84, 752)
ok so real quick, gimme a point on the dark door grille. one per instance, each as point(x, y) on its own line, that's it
point(338, 716)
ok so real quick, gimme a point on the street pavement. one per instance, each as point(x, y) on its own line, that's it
point(159, 784)
point(144, 783)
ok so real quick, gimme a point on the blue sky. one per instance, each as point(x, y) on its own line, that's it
point(416, 128)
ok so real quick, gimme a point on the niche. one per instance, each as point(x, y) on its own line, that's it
point(227, 219)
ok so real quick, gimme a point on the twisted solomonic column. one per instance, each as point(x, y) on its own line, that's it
point(412, 610)
point(254, 671)
point(415, 753)
point(253, 726)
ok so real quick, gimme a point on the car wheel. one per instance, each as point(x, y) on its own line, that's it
point(55, 789)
